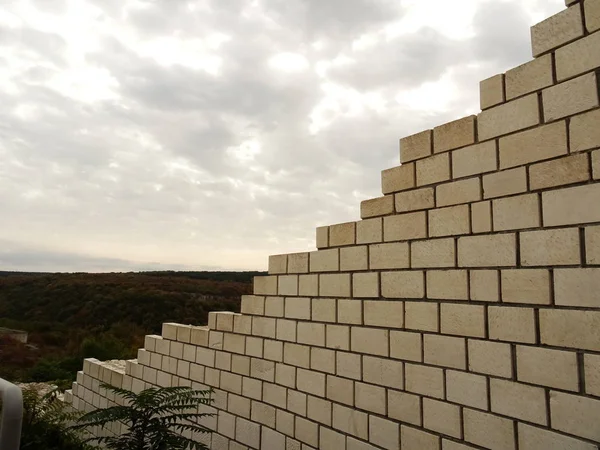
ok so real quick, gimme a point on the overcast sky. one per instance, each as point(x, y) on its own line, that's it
point(201, 135)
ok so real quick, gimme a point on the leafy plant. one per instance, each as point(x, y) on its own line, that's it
point(155, 419)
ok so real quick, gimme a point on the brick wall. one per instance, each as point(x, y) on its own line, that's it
point(461, 312)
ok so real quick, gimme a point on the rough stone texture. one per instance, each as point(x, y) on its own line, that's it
point(578, 57)
point(571, 205)
point(415, 200)
point(398, 178)
point(512, 116)
point(571, 97)
point(491, 91)
point(559, 29)
point(462, 191)
point(529, 77)
point(416, 146)
point(507, 182)
point(560, 172)
point(533, 145)
point(474, 159)
point(380, 206)
point(433, 170)
point(449, 221)
point(515, 213)
point(592, 15)
point(584, 131)
point(454, 134)
point(555, 247)
point(592, 245)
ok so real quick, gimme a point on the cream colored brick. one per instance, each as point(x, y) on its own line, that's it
point(274, 307)
point(297, 355)
point(350, 421)
point(441, 417)
point(338, 337)
point(325, 260)
point(286, 330)
point(296, 402)
point(365, 285)
point(322, 360)
point(451, 445)
point(307, 432)
point(508, 117)
point(404, 284)
point(240, 406)
point(568, 170)
point(252, 304)
point(481, 217)
point(230, 382)
point(492, 358)
point(353, 258)
point(274, 395)
point(571, 205)
point(571, 97)
point(349, 365)
point(353, 444)
point(334, 285)
point(592, 15)
point(534, 438)
point(533, 145)
point(287, 285)
point(169, 331)
point(463, 320)
point(285, 375)
point(331, 439)
point(254, 346)
point(577, 287)
point(389, 256)
point(447, 284)
point(433, 253)
point(340, 390)
point(371, 341)
point(384, 433)
point(247, 432)
point(424, 380)
point(324, 309)
point(417, 439)
point(518, 400)
point(414, 200)
point(389, 314)
point(421, 316)
point(596, 164)
point(297, 308)
point(404, 407)
point(308, 285)
point(416, 146)
point(526, 286)
point(311, 333)
point(319, 410)
point(584, 130)
point(383, 372)
point(277, 264)
point(557, 30)
point(505, 183)
point(445, 351)
point(322, 237)
point(488, 431)
point(547, 367)
point(455, 134)
point(226, 424)
point(466, 389)
point(380, 206)
point(401, 227)
point(529, 77)
point(398, 178)
point(487, 251)
point(491, 91)
point(449, 221)
point(592, 245)
point(234, 343)
point(550, 247)
point(457, 192)
point(592, 374)
point(265, 285)
point(511, 324)
point(575, 415)
point(433, 169)
point(484, 285)
point(298, 262)
point(369, 231)
point(369, 397)
point(405, 345)
point(342, 234)
point(264, 327)
point(474, 160)
point(349, 311)
point(270, 438)
point(284, 423)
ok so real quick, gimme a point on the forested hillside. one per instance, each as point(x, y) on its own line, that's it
point(72, 316)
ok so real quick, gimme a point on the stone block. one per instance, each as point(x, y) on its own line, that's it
point(511, 324)
point(325, 260)
point(481, 217)
point(311, 333)
point(550, 247)
point(413, 439)
point(467, 389)
point(475, 159)
point(433, 169)
point(350, 421)
point(406, 345)
point(247, 432)
point(337, 337)
point(322, 237)
point(254, 346)
point(557, 30)
point(374, 207)
point(592, 245)
point(331, 439)
point(488, 431)
point(234, 343)
point(450, 221)
point(307, 432)
point(296, 402)
point(401, 227)
point(414, 200)
point(349, 365)
point(286, 330)
point(274, 395)
point(579, 57)
point(383, 372)
point(577, 287)
point(169, 331)
point(447, 284)
point(240, 406)
point(584, 131)
point(492, 358)
point(285, 375)
point(571, 97)
point(487, 251)
point(442, 417)
point(491, 91)
point(560, 172)
point(526, 286)
point(389, 256)
point(389, 314)
point(349, 311)
point(518, 400)
point(296, 355)
point(308, 285)
point(226, 424)
point(263, 327)
point(334, 285)
point(457, 192)
point(433, 253)
point(365, 285)
point(369, 231)
point(230, 382)
point(398, 178)
point(592, 374)
point(424, 380)
point(354, 444)
point(322, 359)
point(455, 134)
point(252, 304)
point(463, 320)
point(547, 367)
point(277, 264)
point(319, 410)
point(403, 284)
point(416, 146)
point(535, 438)
point(369, 398)
point(274, 307)
point(284, 423)
point(298, 262)
point(404, 407)
point(484, 285)
point(342, 234)
point(445, 351)
point(340, 390)
point(571, 205)
point(240, 365)
point(540, 143)
point(509, 117)
point(575, 415)
point(265, 285)
point(272, 439)
point(371, 341)
point(421, 316)
point(596, 165)
point(529, 77)
point(507, 182)
point(354, 258)
point(324, 309)
point(592, 15)
point(384, 433)
point(287, 285)
point(198, 336)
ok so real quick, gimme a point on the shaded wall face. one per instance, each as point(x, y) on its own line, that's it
point(460, 312)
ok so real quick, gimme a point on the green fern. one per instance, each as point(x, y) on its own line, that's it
point(156, 419)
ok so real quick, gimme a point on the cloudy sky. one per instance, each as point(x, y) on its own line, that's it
point(208, 134)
